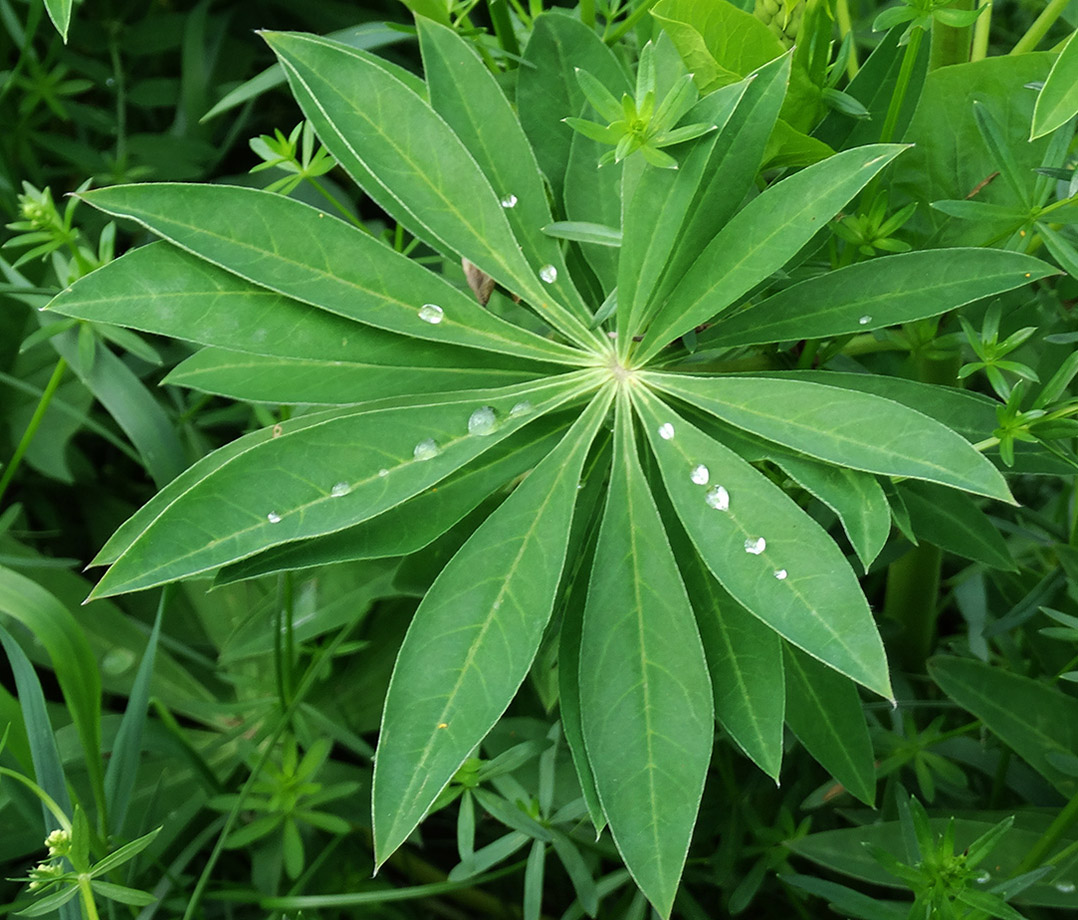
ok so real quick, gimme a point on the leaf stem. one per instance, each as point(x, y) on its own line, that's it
point(87, 895)
point(1062, 823)
point(1040, 26)
point(587, 13)
point(898, 97)
point(31, 429)
point(951, 44)
point(980, 32)
point(845, 27)
point(503, 27)
point(629, 22)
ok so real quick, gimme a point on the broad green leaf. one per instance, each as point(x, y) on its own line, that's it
point(464, 92)
point(881, 292)
point(761, 238)
point(60, 14)
point(854, 496)
point(308, 381)
point(413, 525)
point(952, 521)
point(438, 10)
point(653, 219)
point(824, 711)
point(474, 637)
point(73, 662)
point(547, 88)
point(730, 170)
point(644, 689)
point(320, 478)
point(1038, 722)
point(843, 427)
point(298, 251)
point(366, 116)
point(765, 551)
point(744, 657)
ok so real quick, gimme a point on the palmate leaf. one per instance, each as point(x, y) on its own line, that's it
point(642, 665)
point(317, 478)
point(474, 637)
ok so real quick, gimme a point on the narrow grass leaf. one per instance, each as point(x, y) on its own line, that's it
point(644, 687)
point(824, 711)
point(474, 637)
point(765, 551)
point(320, 478)
point(882, 292)
point(762, 237)
point(303, 253)
point(844, 427)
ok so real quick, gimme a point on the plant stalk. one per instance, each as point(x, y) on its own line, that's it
point(898, 97)
point(980, 32)
point(503, 26)
point(951, 45)
point(1040, 27)
point(845, 27)
point(629, 22)
point(31, 429)
point(1062, 823)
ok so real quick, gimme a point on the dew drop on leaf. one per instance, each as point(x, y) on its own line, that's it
point(780, 574)
point(509, 201)
point(520, 408)
point(339, 489)
point(426, 449)
point(755, 545)
point(718, 498)
point(865, 320)
point(481, 421)
point(700, 475)
point(383, 472)
point(431, 313)
point(273, 517)
point(549, 274)
point(666, 431)
point(983, 877)
point(1065, 887)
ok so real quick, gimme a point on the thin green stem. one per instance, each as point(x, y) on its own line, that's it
point(1040, 26)
point(980, 32)
point(87, 895)
point(348, 215)
point(31, 429)
point(898, 97)
point(845, 27)
point(121, 101)
point(628, 23)
point(587, 13)
point(951, 44)
point(503, 27)
point(1062, 823)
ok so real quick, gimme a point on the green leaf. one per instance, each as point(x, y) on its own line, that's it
point(307, 381)
point(952, 521)
point(1060, 247)
point(644, 689)
point(824, 711)
point(321, 477)
point(878, 293)
point(1057, 102)
point(772, 557)
point(474, 637)
point(854, 496)
point(73, 662)
point(386, 135)
point(548, 91)
point(584, 232)
point(744, 657)
point(464, 92)
point(843, 427)
point(417, 522)
point(122, 894)
point(1036, 721)
point(292, 249)
point(761, 238)
point(60, 14)
point(981, 210)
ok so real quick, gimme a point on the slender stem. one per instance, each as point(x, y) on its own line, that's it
point(1062, 823)
point(629, 22)
point(350, 217)
point(1040, 26)
point(587, 13)
point(950, 44)
point(121, 102)
point(845, 27)
point(898, 97)
point(87, 895)
point(503, 26)
point(31, 429)
point(980, 32)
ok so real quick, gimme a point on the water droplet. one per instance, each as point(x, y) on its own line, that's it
point(110, 81)
point(482, 421)
point(666, 431)
point(426, 449)
point(549, 274)
point(755, 545)
point(865, 320)
point(509, 201)
point(718, 498)
point(273, 517)
point(431, 313)
point(383, 472)
point(983, 877)
point(1065, 887)
point(520, 408)
point(498, 604)
point(700, 475)
point(339, 489)
point(781, 574)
